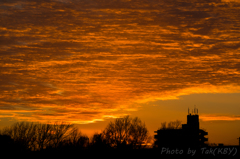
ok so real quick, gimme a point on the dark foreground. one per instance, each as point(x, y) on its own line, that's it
point(205, 152)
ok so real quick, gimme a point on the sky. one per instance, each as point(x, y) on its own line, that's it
point(87, 62)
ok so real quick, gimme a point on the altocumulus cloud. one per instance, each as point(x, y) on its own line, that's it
point(83, 61)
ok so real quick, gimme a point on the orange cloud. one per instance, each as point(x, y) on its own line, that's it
point(81, 62)
point(218, 117)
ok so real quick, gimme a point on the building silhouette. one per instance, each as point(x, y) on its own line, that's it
point(189, 136)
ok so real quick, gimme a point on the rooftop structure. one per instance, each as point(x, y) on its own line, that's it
point(189, 136)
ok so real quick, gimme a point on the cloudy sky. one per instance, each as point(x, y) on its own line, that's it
point(90, 61)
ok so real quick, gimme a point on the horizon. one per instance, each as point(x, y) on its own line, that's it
point(89, 62)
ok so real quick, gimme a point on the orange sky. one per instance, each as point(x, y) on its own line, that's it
point(87, 62)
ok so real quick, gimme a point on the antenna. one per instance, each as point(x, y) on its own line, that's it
point(197, 111)
point(188, 111)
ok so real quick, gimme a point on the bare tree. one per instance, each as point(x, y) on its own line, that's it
point(126, 132)
point(59, 133)
point(51, 135)
point(22, 133)
point(37, 136)
point(171, 125)
point(77, 139)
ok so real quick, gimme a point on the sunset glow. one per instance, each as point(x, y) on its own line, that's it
point(88, 61)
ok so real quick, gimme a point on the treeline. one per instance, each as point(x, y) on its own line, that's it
point(123, 133)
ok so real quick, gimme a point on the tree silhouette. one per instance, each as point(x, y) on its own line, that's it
point(98, 142)
point(126, 133)
point(58, 133)
point(75, 141)
point(23, 135)
point(37, 136)
point(171, 125)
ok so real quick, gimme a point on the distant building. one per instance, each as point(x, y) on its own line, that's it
point(189, 136)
